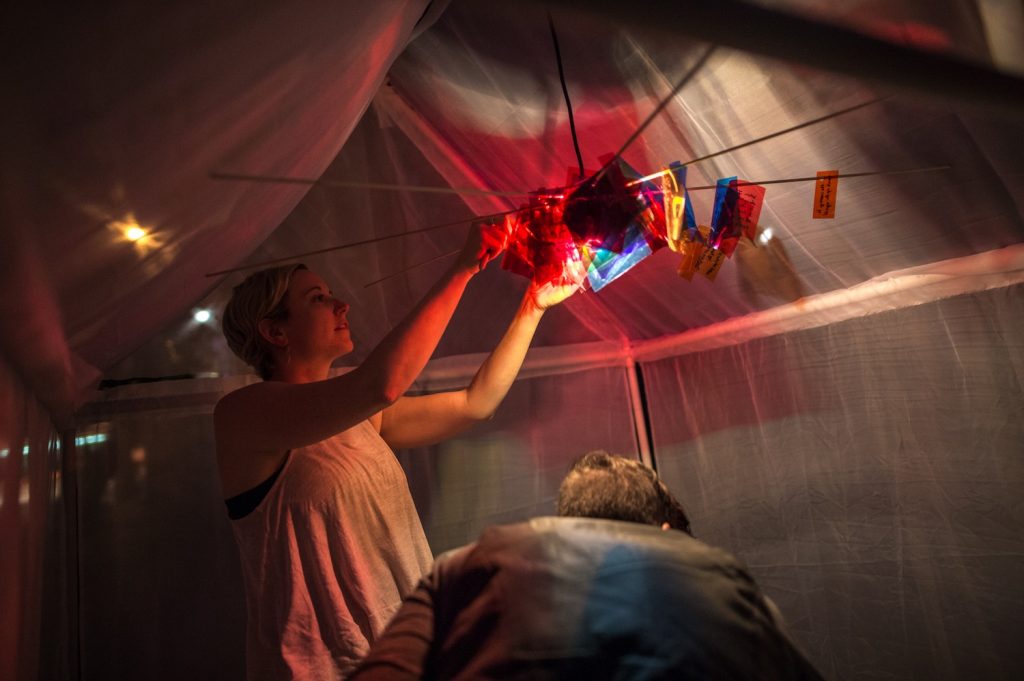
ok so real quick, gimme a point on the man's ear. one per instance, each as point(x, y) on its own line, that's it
point(272, 332)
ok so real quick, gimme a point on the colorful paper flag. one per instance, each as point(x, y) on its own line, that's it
point(737, 210)
point(680, 223)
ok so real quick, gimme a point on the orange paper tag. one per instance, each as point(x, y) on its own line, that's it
point(825, 194)
point(704, 231)
point(688, 265)
point(709, 262)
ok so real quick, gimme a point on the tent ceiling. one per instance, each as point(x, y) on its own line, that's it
point(128, 114)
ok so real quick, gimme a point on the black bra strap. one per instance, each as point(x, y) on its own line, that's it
point(244, 503)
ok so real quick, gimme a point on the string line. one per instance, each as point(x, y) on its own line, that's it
point(657, 110)
point(319, 251)
point(565, 92)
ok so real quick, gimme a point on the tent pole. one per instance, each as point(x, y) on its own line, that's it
point(69, 491)
point(641, 421)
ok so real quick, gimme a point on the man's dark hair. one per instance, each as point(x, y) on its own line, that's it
point(603, 485)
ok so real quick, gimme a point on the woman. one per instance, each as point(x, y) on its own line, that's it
point(330, 540)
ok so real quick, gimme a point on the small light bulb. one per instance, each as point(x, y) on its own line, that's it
point(202, 316)
point(134, 233)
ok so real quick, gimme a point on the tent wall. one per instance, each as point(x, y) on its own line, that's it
point(508, 469)
point(870, 473)
point(160, 580)
point(36, 584)
point(161, 590)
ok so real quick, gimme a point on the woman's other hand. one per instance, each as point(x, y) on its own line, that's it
point(552, 293)
point(483, 244)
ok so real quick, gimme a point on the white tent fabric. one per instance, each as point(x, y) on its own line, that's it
point(841, 406)
point(869, 472)
point(117, 114)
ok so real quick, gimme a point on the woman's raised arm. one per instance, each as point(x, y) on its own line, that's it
point(276, 415)
point(428, 419)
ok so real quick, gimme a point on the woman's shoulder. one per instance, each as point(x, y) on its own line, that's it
point(238, 455)
point(242, 396)
point(238, 408)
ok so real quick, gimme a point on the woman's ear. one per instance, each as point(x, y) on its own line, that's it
point(272, 332)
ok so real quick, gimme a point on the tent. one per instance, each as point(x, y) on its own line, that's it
point(841, 406)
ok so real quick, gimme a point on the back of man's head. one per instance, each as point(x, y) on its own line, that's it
point(603, 485)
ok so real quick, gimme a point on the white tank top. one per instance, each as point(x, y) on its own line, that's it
point(327, 557)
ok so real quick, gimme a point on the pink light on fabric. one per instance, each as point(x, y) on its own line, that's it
point(540, 245)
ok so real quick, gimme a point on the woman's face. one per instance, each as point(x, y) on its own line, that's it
point(317, 326)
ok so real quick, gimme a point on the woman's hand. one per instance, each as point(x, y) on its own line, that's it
point(553, 292)
point(483, 244)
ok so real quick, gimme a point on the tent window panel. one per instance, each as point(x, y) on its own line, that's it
point(869, 472)
point(508, 469)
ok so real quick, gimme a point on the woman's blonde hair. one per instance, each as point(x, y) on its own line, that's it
point(261, 296)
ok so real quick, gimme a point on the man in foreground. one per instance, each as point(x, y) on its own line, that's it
point(615, 588)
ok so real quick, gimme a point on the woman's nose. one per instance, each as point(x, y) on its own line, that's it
point(341, 307)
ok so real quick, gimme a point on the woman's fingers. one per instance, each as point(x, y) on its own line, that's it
point(493, 239)
point(551, 294)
